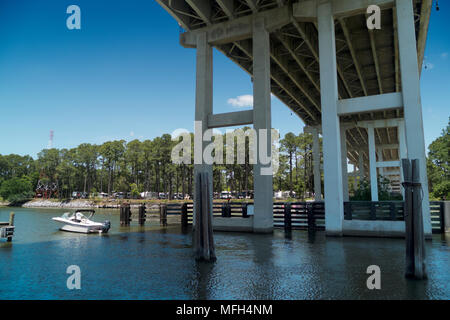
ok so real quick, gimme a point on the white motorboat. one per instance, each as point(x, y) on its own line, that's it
point(78, 222)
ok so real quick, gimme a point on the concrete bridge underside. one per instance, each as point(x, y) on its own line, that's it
point(359, 88)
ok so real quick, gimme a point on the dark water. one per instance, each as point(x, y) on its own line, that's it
point(154, 263)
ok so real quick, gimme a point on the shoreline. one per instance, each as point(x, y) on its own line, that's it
point(99, 203)
point(81, 204)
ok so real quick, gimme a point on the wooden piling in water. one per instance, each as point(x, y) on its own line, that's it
point(125, 214)
point(142, 215)
point(128, 216)
point(203, 231)
point(311, 217)
point(11, 219)
point(184, 215)
point(11, 224)
point(419, 236)
point(225, 210)
point(245, 210)
point(287, 217)
point(163, 215)
point(415, 239)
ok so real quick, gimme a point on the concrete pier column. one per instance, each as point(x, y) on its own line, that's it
point(203, 107)
point(344, 163)
point(316, 166)
point(334, 206)
point(380, 159)
point(263, 188)
point(409, 69)
point(402, 149)
point(362, 171)
point(373, 163)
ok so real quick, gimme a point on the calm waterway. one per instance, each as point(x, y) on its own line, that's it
point(157, 263)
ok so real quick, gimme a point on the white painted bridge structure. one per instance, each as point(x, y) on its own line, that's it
point(358, 88)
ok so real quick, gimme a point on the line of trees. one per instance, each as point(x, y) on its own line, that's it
point(137, 166)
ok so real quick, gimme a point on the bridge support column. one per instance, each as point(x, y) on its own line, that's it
point(409, 69)
point(316, 166)
point(334, 206)
point(373, 163)
point(263, 188)
point(362, 173)
point(402, 149)
point(344, 163)
point(203, 107)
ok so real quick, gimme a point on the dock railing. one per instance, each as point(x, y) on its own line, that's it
point(311, 215)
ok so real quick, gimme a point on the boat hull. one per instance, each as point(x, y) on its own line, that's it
point(78, 229)
point(69, 226)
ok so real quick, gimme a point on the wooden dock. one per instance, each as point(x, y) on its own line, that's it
point(7, 228)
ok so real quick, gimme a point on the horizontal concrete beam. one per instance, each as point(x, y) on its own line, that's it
point(238, 29)
point(382, 147)
point(375, 103)
point(312, 130)
point(389, 123)
point(307, 10)
point(388, 164)
point(230, 119)
point(391, 173)
point(388, 146)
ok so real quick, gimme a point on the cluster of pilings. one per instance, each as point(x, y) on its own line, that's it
point(125, 215)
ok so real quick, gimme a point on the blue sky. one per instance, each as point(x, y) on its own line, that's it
point(125, 76)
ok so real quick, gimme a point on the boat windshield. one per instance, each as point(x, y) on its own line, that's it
point(79, 216)
point(74, 216)
point(67, 215)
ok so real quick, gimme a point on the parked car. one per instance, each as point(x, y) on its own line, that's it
point(80, 195)
point(149, 195)
point(119, 195)
point(76, 195)
point(225, 195)
point(179, 196)
point(162, 196)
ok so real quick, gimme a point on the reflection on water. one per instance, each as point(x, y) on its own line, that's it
point(157, 263)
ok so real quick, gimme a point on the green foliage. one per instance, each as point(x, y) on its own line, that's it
point(16, 189)
point(363, 191)
point(134, 190)
point(296, 165)
point(137, 166)
point(438, 166)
